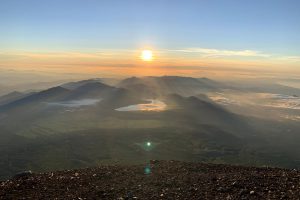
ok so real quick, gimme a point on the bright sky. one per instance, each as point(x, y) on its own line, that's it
point(109, 35)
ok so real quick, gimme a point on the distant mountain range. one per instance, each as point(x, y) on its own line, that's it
point(159, 86)
point(80, 124)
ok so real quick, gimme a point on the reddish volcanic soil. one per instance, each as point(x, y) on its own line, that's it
point(163, 180)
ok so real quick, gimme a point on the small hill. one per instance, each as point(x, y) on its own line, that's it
point(159, 86)
point(157, 180)
point(91, 90)
point(59, 93)
point(202, 110)
point(12, 96)
point(74, 85)
point(50, 94)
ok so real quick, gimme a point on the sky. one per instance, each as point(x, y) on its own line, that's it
point(105, 37)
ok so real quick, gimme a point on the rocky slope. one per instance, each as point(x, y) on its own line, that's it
point(157, 180)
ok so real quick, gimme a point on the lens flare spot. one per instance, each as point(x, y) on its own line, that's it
point(147, 170)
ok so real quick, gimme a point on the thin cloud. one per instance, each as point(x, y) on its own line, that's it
point(96, 55)
point(219, 52)
point(290, 58)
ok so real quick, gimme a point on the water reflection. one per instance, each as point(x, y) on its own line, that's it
point(75, 103)
point(153, 105)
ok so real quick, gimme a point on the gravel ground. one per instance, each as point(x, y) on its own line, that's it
point(157, 180)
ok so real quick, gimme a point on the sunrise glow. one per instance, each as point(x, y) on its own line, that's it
point(147, 55)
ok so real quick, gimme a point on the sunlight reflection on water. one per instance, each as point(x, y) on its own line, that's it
point(153, 105)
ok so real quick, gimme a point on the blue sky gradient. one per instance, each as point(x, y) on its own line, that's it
point(270, 26)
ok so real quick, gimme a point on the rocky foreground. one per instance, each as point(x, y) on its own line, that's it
point(157, 180)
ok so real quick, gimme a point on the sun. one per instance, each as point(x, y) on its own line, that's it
point(147, 55)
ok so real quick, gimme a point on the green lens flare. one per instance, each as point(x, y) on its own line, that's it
point(147, 170)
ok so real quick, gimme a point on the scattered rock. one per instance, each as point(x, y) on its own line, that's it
point(170, 180)
point(22, 174)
